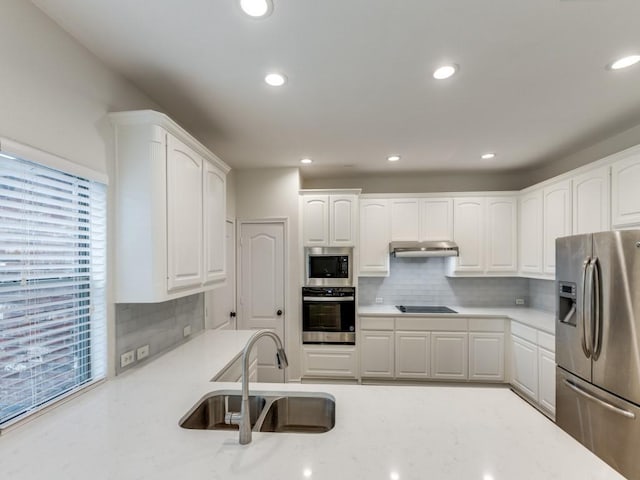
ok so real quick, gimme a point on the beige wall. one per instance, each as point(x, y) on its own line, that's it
point(423, 182)
point(54, 95)
point(273, 193)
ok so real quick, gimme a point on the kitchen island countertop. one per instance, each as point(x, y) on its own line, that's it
point(127, 428)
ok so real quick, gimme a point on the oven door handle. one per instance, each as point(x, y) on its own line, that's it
point(328, 299)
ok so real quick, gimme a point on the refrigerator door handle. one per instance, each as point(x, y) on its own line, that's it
point(599, 401)
point(586, 343)
point(595, 305)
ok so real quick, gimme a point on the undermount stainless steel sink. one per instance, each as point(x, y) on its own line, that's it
point(300, 415)
point(287, 412)
point(209, 413)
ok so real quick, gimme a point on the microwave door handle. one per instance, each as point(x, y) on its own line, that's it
point(585, 344)
point(596, 314)
point(328, 299)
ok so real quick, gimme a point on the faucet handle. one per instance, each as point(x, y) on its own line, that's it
point(232, 418)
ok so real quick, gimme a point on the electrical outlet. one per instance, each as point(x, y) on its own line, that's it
point(127, 358)
point(519, 301)
point(143, 352)
point(186, 331)
point(379, 300)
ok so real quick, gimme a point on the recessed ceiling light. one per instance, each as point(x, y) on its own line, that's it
point(488, 156)
point(445, 71)
point(393, 158)
point(275, 79)
point(306, 161)
point(624, 62)
point(307, 473)
point(256, 8)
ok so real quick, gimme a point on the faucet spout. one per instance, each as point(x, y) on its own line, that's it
point(242, 419)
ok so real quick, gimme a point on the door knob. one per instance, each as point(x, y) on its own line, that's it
point(232, 314)
point(279, 312)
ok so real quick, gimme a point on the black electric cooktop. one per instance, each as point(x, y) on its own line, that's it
point(424, 309)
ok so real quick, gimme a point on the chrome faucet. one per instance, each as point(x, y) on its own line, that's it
point(243, 418)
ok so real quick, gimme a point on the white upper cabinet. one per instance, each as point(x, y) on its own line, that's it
point(468, 233)
point(342, 220)
point(556, 220)
point(315, 220)
point(375, 235)
point(531, 234)
point(625, 199)
point(405, 214)
point(184, 213)
point(169, 211)
point(329, 220)
point(215, 214)
point(502, 233)
point(591, 204)
point(436, 219)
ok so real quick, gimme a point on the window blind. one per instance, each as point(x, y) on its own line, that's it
point(52, 285)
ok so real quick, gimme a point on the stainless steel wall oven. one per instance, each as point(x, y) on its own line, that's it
point(329, 315)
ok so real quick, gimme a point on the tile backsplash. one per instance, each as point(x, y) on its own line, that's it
point(160, 325)
point(415, 281)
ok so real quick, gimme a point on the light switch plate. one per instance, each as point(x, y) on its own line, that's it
point(379, 300)
point(143, 352)
point(519, 301)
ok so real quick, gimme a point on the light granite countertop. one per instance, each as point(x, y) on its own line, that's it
point(539, 319)
point(127, 429)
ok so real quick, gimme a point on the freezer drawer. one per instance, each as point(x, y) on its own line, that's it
point(605, 424)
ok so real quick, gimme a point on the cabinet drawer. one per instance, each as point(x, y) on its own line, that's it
point(486, 325)
point(329, 362)
point(522, 331)
point(376, 323)
point(547, 341)
point(452, 324)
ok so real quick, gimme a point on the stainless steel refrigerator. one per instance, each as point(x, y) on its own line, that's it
point(598, 344)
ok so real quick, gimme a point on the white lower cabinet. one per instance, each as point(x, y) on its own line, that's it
point(525, 367)
point(547, 380)
point(486, 356)
point(233, 372)
point(376, 354)
point(413, 354)
point(432, 348)
point(533, 365)
point(329, 362)
point(449, 355)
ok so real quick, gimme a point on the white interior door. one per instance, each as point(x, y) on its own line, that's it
point(221, 302)
point(261, 290)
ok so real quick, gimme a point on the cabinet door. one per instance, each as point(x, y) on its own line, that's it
point(315, 220)
point(547, 380)
point(374, 238)
point(591, 201)
point(502, 244)
point(556, 219)
point(524, 356)
point(215, 212)
point(413, 354)
point(486, 356)
point(405, 219)
point(531, 232)
point(468, 222)
point(184, 215)
point(436, 219)
point(376, 354)
point(331, 362)
point(449, 355)
point(342, 220)
point(625, 178)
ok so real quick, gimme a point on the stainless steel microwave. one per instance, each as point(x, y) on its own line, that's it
point(328, 266)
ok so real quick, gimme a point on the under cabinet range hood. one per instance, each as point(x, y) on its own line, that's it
point(440, 248)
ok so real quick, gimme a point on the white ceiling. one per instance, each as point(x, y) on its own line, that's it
point(532, 84)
